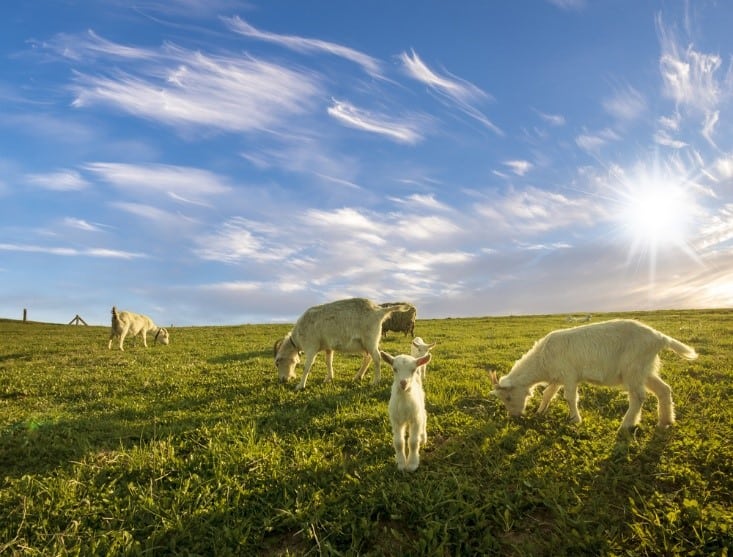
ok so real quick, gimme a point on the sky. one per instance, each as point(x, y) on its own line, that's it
point(211, 162)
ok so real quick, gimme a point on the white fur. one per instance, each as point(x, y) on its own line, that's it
point(619, 352)
point(126, 323)
point(352, 326)
point(407, 409)
point(419, 348)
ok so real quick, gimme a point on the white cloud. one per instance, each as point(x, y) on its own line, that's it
point(462, 93)
point(718, 229)
point(593, 142)
point(399, 130)
point(690, 78)
point(688, 75)
point(183, 88)
point(568, 4)
point(532, 211)
point(663, 138)
point(556, 120)
point(61, 180)
point(369, 64)
point(708, 127)
point(519, 167)
point(72, 252)
point(81, 224)
point(183, 183)
point(417, 200)
point(625, 105)
point(458, 89)
point(240, 240)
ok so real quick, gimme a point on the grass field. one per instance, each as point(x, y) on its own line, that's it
point(195, 448)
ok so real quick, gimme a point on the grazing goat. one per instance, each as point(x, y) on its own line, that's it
point(580, 319)
point(407, 408)
point(352, 326)
point(618, 352)
point(419, 348)
point(128, 323)
point(402, 321)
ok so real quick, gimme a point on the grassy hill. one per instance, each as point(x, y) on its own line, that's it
point(196, 448)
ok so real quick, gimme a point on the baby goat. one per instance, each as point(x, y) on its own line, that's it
point(407, 408)
point(419, 348)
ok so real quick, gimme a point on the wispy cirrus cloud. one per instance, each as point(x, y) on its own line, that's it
point(402, 131)
point(92, 46)
point(418, 201)
point(626, 104)
point(60, 180)
point(690, 78)
point(181, 183)
point(240, 240)
point(556, 120)
point(71, 252)
point(185, 88)
point(461, 92)
point(302, 44)
point(531, 211)
point(519, 167)
point(81, 224)
point(593, 142)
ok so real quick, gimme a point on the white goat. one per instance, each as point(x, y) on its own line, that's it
point(618, 352)
point(352, 326)
point(128, 323)
point(580, 319)
point(419, 348)
point(407, 408)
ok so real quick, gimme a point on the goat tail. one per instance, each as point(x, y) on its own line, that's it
point(687, 352)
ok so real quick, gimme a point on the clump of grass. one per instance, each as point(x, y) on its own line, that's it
point(196, 448)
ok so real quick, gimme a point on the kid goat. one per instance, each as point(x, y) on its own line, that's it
point(419, 348)
point(618, 352)
point(407, 408)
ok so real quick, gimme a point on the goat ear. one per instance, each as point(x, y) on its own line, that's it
point(386, 357)
point(494, 378)
point(423, 360)
point(431, 346)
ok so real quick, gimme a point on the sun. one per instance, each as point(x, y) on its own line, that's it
point(655, 213)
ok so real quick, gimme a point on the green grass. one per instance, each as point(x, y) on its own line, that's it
point(195, 448)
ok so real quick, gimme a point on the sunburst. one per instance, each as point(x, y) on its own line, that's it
point(655, 213)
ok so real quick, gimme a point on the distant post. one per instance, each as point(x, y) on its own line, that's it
point(77, 321)
point(25, 315)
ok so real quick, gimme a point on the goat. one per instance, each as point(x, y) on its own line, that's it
point(400, 321)
point(128, 323)
point(618, 352)
point(419, 348)
point(580, 319)
point(353, 326)
point(407, 408)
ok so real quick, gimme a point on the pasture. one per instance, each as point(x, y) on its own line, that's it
point(195, 448)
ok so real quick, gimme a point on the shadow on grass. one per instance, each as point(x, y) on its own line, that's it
point(43, 442)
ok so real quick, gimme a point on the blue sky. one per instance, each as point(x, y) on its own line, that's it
point(221, 162)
